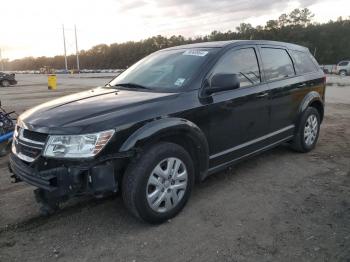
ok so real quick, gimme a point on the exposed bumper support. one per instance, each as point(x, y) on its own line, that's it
point(57, 184)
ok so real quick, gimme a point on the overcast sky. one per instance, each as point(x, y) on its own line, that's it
point(34, 28)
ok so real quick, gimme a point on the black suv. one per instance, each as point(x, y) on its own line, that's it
point(7, 79)
point(170, 120)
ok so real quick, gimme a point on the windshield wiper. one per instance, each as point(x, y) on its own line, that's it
point(131, 85)
point(251, 81)
point(257, 77)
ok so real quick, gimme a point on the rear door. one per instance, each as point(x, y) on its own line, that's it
point(280, 76)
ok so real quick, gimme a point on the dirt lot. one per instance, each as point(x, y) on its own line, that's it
point(279, 206)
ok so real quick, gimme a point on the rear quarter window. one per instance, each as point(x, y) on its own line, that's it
point(343, 63)
point(303, 62)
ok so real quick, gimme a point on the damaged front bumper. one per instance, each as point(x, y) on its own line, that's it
point(58, 181)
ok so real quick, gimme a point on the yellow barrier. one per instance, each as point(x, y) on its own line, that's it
point(52, 82)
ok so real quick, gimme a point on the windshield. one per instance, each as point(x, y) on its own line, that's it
point(171, 69)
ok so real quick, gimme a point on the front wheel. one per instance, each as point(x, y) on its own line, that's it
point(308, 130)
point(158, 183)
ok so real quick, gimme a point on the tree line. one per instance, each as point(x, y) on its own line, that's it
point(329, 42)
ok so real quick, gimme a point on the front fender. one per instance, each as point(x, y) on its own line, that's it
point(171, 126)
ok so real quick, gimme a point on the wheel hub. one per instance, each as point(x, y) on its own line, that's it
point(166, 184)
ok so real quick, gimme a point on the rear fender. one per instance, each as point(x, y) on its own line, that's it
point(309, 99)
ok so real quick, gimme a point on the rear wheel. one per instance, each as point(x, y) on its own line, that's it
point(157, 185)
point(5, 83)
point(308, 130)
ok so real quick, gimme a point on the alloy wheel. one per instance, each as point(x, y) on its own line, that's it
point(310, 130)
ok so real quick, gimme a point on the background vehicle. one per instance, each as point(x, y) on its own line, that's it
point(168, 121)
point(329, 69)
point(47, 70)
point(343, 68)
point(7, 79)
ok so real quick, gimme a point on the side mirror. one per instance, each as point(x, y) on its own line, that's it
point(223, 82)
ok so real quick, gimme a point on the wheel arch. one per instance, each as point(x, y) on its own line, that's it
point(312, 99)
point(176, 130)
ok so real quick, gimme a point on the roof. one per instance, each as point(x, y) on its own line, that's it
point(221, 44)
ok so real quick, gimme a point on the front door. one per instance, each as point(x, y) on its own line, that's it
point(237, 119)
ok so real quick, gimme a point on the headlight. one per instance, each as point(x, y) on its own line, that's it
point(77, 146)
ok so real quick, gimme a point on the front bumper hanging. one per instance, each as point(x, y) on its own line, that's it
point(59, 183)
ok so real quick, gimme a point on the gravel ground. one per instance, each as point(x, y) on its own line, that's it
point(279, 206)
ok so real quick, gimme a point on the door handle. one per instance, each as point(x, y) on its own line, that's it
point(262, 95)
point(301, 85)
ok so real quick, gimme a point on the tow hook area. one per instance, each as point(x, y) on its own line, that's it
point(13, 177)
point(49, 204)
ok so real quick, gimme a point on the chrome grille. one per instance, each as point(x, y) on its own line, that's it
point(34, 136)
point(28, 145)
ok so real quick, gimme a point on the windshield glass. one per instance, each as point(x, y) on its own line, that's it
point(171, 69)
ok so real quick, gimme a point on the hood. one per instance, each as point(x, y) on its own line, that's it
point(94, 107)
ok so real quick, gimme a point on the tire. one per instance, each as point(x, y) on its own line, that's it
point(5, 83)
point(342, 73)
point(139, 184)
point(308, 130)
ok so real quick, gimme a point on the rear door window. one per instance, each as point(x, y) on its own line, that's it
point(303, 63)
point(277, 63)
point(242, 62)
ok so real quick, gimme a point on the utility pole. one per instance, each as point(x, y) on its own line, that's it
point(1, 61)
point(65, 50)
point(76, 49)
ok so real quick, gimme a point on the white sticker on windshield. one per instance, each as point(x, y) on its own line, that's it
point(195, 52)
point(179, 81)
